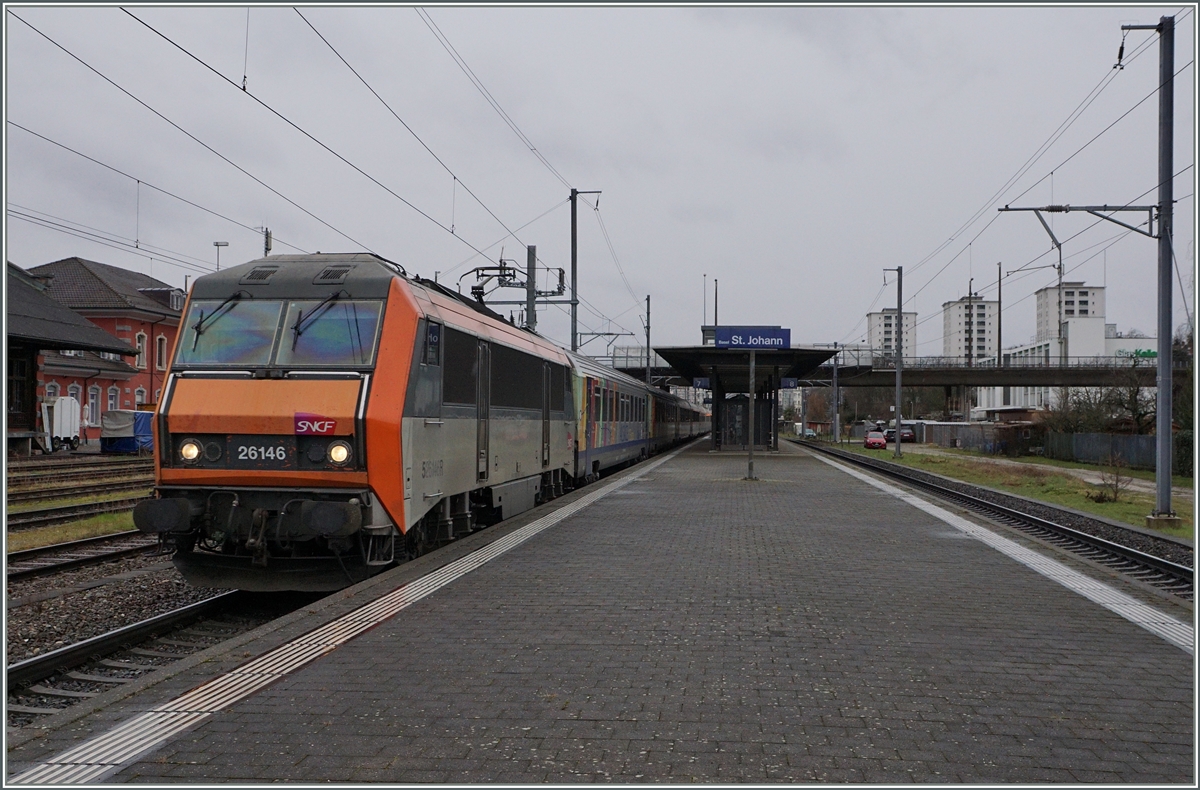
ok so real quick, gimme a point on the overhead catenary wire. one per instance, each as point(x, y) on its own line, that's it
point(103, 241)
point(1072, 117)
point(137, 243)
point(491, 100)
point(302, 131)
point(189, 135)
point(1050, 174)
point(487, 95)
point(457, 181)
point(151, 186)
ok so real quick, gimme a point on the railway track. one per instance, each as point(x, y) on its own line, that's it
point(48, 516)
point(51, 493)
point(1156, 563)
point(50, 683)
point(28, 474)
point(60, 557)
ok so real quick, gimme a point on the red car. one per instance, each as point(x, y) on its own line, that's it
point(875, 441)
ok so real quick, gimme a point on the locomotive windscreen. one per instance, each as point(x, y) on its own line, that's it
point(260, 332)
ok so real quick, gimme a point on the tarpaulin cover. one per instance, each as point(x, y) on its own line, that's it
point(125, 431)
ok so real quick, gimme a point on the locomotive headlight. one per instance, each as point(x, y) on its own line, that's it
point(339, 453)
point(189, 451)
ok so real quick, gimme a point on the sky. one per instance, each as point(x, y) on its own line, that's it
point(792, 153)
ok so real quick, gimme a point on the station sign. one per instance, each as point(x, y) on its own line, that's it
point(756, 337)
point(789, 384)
point(701, 383)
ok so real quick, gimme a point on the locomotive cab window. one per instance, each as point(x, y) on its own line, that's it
point(229, 332)
point(330, 332)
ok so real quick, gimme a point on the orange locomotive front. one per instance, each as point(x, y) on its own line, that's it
point(278, 432)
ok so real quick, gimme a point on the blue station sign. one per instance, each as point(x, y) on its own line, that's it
point(756, 337)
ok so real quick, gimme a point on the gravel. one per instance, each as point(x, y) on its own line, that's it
point(113, 595)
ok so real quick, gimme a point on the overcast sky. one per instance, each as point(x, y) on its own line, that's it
point(791, 153)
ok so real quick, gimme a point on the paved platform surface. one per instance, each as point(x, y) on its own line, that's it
point(697, 627)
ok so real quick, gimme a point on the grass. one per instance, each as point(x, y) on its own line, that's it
point(105, 524)
point(1178, 481)
point(1036, 481)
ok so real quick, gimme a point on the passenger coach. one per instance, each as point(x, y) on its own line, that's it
point(327, 415)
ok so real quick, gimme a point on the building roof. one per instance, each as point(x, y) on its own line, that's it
point(89, 364)
point(36, 319)
point(87, 285)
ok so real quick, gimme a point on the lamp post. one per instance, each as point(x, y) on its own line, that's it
point(219, 245)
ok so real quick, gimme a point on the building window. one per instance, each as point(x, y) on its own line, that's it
point(141, 349)
point(75, 391)
point(176, 300)
point(160, 352)
point(51, 390)
point(157, 395)
point(139, 396)
point(1069, 312)
point(1070, 293)
point(114, 393)
point(93, 406)
point(1083, 293)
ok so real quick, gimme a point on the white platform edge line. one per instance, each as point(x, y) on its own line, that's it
point(1146, 617)
point(58, 769)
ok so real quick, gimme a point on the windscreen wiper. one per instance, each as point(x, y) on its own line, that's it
point(305, 320)
point(206, 321)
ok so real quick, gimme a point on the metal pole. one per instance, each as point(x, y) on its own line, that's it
point(1166, 141)
point(1062, 348)
point(647, 375)
point(531, 287)
point(899, 349)
point(837, 432)
point(999, 306)
point(716, 301)
point(750, 438)
point(970, 320)
point(705, 319)
point(574, 271)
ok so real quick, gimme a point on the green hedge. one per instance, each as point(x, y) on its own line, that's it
point(1182, 462)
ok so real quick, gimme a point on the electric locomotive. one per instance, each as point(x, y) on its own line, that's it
point(327, 415)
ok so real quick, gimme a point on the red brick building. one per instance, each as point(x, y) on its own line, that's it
point(38, 328)
point(130, 306)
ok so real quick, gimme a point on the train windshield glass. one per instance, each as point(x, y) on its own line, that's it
point(229, 332)
point(329, 332)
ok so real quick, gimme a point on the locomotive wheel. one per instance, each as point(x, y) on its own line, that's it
point(56, 444)
point(74, 442)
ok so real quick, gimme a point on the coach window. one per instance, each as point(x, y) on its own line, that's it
point(461, 371)
point(595, 401)
point(516, 378)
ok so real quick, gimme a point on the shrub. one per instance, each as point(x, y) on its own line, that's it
point(1182, 460)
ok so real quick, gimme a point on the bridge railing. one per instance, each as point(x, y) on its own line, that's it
point(880, 360)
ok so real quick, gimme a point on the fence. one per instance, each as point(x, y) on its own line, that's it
point(1138, 452)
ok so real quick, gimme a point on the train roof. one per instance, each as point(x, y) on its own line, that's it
point(362, 275)
point(589, 366)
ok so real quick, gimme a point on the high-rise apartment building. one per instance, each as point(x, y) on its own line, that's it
point(882, 328)
point(969, 327)
point(1079, 300)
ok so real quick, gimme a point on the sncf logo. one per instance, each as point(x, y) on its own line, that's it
point(309, 424)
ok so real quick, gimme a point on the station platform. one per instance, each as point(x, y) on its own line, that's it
point(677, 623)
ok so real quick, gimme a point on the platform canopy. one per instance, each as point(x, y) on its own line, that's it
point(731, 367)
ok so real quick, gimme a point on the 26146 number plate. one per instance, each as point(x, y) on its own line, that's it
point(262, 452)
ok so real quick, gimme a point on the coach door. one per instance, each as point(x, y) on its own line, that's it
point(482, 410)
point(546, 377)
